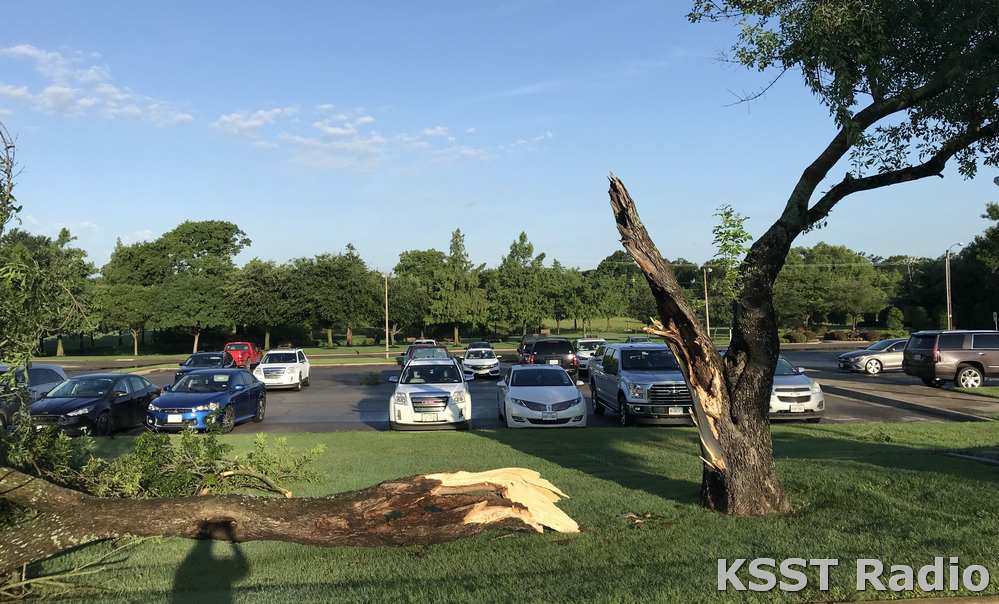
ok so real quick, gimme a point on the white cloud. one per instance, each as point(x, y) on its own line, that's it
point(435, 131)
point(249, 122)
point(72, 84)
point(364, 120)
point(333, 131)
point(469, 130)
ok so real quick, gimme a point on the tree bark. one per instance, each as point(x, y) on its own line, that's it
point(350, 336)
point(267, 338)
point(197, 338)
point(135, 342)
point(457, 339)
point(60, 350)
point(731, 397)
point(418, 510)
point(329, 337)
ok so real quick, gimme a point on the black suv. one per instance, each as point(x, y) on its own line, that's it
point(964, 357)
point(551, 351)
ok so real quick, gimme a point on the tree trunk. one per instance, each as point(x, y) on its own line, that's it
point(457, 339)
point(329, 337)
point(60, 351)
point(731, 397)
point(418, 510)
point(197, 338)
point(350, 336)
point(267, 338)
point(135, 342)
point(558, 326)
point(575, 324)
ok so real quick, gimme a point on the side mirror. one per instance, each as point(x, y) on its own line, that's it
point(180, 364)
point(580, 383)
point(469, 377)
point(394, 379)
point(501, 384)
point(499, 357)
point(167, 388)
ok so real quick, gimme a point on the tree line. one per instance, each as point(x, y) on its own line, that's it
point(186, 281)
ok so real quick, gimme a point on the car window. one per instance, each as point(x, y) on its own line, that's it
point(431, 374)
point(480, 354)
point(542, 347)
point(204, 360)
point(237, 347)
point(203, 382)
point(897, 347)
point(279, 357)
point(587, 345)
point(122, 385)
point(430, 353)
point(925, 342)
point(82, 387)
point(610, 362)
point(301, 357)
point(784, 368)
point(136, 383)
point(985, 341)
point(951, 341)
point(882, 345)
point(598, 353)
point(540, 377)
point(43, 376)
point(648, 359)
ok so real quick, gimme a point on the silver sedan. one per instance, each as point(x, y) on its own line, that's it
point(885, 355)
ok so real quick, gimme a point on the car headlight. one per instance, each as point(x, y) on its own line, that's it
point(79, 412)
point(816, 389)
point(153, 407)
point(458, 397)
point(212, 406)
point(517, 401)
point(400, 398)
point(637, 390)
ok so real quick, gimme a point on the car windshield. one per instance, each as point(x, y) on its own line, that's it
point(552, 347)
point(203, 382)
point(639, 339)
point(431, 374)
point(589, 345)
point(784, 368)
point(430, 353)
point(82, 387)
point(237, 347)
point(883, 344)
point(922, 342)
point(540, 377)
point(480, 354)
point(205, 360)
point(479, 345)
point(648, 360)
point(279, 357)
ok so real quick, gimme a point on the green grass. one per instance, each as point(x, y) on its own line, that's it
point(859, 490)
point(989, 391)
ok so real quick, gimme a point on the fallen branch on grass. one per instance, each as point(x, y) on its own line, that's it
point(418, 510)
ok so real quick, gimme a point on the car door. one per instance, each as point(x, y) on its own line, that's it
point(304, 363)
point(607, 381)
point(142, 395)
point(892, 359)
point(239, 394)
point(986, 347)
point(122, 404)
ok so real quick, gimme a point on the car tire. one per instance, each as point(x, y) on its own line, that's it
point(261, 408)
point(969, 376)
point(104, 424)
point(622, 411)
point(499, 410)
point(932, 382)
point(298, 386)
point(308, 381)
point(228, 419)
point(873, 367)
point(598, 409)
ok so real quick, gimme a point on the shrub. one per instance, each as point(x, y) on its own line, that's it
point(795, 336)
point(872, 336)
point(839, 336)
point(894, 320)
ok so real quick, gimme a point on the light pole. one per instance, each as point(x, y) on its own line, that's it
point(707, 313)
point(385, 275)
point(950, 311)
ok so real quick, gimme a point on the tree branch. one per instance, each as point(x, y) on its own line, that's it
point(934, 166)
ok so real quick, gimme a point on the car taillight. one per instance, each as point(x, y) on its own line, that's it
point(936, 355)
point(532, 359)
point(575, 361)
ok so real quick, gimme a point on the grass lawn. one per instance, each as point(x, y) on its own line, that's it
point(989, 391)
point(859, 491)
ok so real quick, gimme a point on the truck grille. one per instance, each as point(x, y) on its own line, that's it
point(273, 373)
point(794, 395)
point(45, 420)
point(563, 405)
point(535, 406)
point(670, 394)
point(429, 404)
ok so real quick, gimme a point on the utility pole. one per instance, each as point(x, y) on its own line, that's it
point(950, 310)
point(385, 275)
point(707, 313)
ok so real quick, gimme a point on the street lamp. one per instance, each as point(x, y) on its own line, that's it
point(950, 311)
point(707, 313)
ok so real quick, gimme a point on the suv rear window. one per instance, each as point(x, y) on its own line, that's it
point(922, 342)
point(951, 341)
point(987, 341)
point(552, 347)
point(237, 347)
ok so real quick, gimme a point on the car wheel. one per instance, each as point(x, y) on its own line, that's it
point(228, 419)
point(932, 382)
point(598, 409)
point(873, 367)
point(308, 381)
point(499, 409)
point(969, 377)
point(261, 408)
point(102, 427)
point(622, 410)
point(298, 386)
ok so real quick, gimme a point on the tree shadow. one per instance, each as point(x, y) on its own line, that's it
point(203, 577)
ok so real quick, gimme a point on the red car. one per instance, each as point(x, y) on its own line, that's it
point(244, 354)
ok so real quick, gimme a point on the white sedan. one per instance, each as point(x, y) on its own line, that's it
point(481, 362)
point(540, 396)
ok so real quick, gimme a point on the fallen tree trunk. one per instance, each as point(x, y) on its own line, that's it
point(417, 510)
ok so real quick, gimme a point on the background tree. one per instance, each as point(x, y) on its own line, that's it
point(456, 296)
point(360, 291)
point(194, 303)
point(260, 294)
point(909, 86)
point(126, 306)
point(519, 293)
point(417, 269)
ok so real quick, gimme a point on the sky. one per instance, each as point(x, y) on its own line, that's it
point(389, 124)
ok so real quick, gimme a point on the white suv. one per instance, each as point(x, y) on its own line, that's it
point(431, 393)
point(284, 368)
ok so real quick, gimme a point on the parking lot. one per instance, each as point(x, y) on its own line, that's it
point(338, 399)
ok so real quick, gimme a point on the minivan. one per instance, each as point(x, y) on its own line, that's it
point(965, 357)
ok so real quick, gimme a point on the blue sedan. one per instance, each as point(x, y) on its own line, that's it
point(207, 398)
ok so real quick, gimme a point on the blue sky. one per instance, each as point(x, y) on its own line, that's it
point(389, 124)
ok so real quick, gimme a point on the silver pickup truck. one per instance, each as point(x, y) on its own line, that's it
point(640, 382)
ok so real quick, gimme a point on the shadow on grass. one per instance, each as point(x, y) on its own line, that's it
point(201, 564)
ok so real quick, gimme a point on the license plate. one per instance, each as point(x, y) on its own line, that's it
point(549, 415)
point(175, 418)
point(553, 362)
point(797, 408)
point(675, 411)
point(428, 417)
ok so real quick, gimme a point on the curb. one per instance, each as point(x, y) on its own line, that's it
point(908, 405)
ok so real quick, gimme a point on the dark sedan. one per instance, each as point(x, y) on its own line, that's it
point(206, 398)
point(204, 360)
point(552, 351)
point(95, 404)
